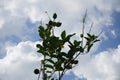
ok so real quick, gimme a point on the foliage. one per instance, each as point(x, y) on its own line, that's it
point(57, 61)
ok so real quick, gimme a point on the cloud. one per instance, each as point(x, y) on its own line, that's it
point(113, 33)
point(22, 59)
point(14, 14)
point(19, 62)
point(102, 66)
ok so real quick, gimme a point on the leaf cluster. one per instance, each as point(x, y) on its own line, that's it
point(55, 59)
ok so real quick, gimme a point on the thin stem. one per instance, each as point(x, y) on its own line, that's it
point(91, 27)
point(84, 20)
point(83, 35)
point(52, 74)
point(39, 72)
point(48, 15)
point(61, 75)
point(53, 31)
point(41, 22)
point(100, 33)
point(43, 70)
point(58, 75)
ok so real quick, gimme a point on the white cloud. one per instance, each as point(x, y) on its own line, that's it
point(16, 13)
point(113, 33)
point(19, 62)
point(102, 66)
point(1, 23)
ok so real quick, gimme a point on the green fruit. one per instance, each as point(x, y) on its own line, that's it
point(36, 71)
point(50, 23)
point(81, 35)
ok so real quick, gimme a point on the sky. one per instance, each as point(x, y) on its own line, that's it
point(19, 21)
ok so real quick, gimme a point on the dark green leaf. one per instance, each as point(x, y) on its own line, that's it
point(81, 35)
point(39, 51)
point(64, 54)
point(54, 24)
point(52, 79)
point(76, 43)
point(69, 67)
point(70, 54)
point(42, 35)
point(88, 39)
point(69, 36)
point(54, 16)
point(58, 24)
point(59, 68)
point(49, 66)
point(74, 62)
point(50, 60)
point(42, 52)
point(38, 45)
point(50, 22)
point(41, 28)
point(48, 33)
point(63, 35)
point(96, 40)
point(81, 49)
point(49, 71)
point(89, 47)
point(89, 35)
point(45, 76)
point(41, 32)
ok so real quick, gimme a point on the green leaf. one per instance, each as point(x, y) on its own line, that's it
point(49, 71)
point(68, 67)
point(69, 36)
point(64, 54)
point(52, 79)
point(74, 61)
point(81, 35)
point(88, 39)
point(42, 52)
point(50, 22)
point(89, 47)
point(81, 49)
point(58, 24)
point(89, 35)
point(96, 40)
point(59, 68)
point(63, 35)
point(49, 66)
point(39, 51)
point(54, 24)
point(45, 77)
point(70, 53)
point(77, 43)
point(38, 45)
point(54, 16)
point(50, 60)
point(41, 32)
point(47, 33)
point(41, 28)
